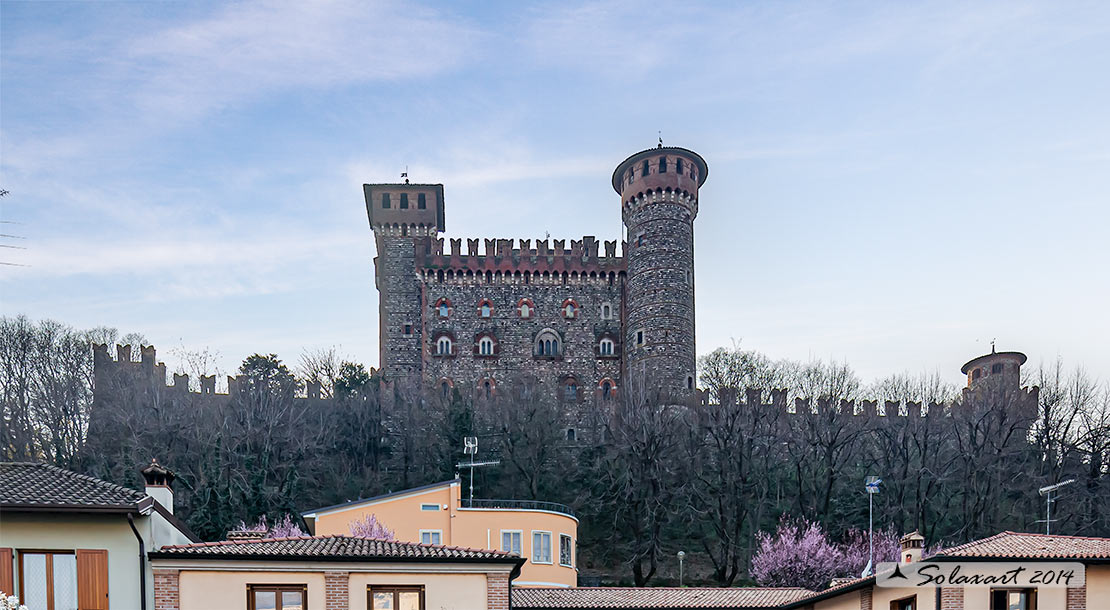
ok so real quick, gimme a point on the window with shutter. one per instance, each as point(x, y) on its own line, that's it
point(7, 580)
point(92, 579)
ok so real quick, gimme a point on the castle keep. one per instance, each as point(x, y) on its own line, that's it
point(581, 320)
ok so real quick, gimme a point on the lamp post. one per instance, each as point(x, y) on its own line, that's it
point(681, 556)
point(871, 484)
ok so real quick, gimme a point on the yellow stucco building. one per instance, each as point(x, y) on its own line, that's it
point(545, 534)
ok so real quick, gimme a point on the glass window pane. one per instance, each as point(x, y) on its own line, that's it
point(265, 600)
point(292, 600)
point(34, 580)
point(383, 601)
point(65, 582)
point(409, 600)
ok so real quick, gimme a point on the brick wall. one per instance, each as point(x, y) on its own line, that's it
point(337, 591)
point(166, 596)
point(865, 599)
point(497, 591)
point(1077, 598)
point(952, 598)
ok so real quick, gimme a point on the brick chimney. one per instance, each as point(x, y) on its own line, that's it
point(913, 544)
point(159, 483)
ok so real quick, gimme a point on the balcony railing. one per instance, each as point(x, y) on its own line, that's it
point(554, 507)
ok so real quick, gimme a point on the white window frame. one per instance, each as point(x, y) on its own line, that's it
point(425, 507)
point(520, 541)
point(482, 346)
point(549, 549)
point(570, 542)
point(430, 532)
point(440, 342)
point(606, 342)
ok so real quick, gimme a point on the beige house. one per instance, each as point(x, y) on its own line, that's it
point(544, 533)
point(70, 541)
point(330, 573)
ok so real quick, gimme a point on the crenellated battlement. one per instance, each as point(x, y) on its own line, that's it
point(862, 409)
point(152, 374)
point(519, 261)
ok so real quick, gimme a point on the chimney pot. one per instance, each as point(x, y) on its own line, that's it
point(912, 544)
point(159, 483)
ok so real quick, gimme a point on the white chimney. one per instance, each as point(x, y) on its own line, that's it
point(159, 484)
point(913, 544)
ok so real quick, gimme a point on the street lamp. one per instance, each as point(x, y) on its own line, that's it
point(681, 556)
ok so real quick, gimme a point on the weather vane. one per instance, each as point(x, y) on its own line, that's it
point(660, 138)
point(405, 174)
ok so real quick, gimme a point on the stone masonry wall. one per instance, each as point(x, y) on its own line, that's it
point(515, 336)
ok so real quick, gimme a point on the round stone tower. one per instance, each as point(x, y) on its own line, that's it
point(659, 201)
point(999, 370)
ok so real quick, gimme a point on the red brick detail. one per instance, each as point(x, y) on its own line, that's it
point(1077, 598)
point(952, 598)
point(166, 593)
point(337, 591)
point(497, 591)
point(865, 599)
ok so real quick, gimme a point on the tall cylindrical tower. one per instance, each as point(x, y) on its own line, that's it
point(659, 201)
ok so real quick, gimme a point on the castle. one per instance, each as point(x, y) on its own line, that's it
point(580, 321)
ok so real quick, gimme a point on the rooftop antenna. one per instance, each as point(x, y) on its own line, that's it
point(470, 447)
point(992, 344)
point(1048, 492)
point(405, 174)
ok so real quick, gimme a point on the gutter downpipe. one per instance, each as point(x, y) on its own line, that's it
point(142, 562)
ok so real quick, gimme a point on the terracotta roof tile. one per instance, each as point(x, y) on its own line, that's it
point(329, 547)
point(1031, 546)
point(42, 486)
point(654, 597)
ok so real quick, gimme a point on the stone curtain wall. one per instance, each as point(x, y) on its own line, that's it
point(515, 336)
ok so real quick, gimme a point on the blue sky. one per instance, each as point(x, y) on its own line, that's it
point(891, 184)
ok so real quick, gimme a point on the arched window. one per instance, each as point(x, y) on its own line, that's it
point(570, 389)
point(485, 309)
point(443, 307)
point(485, 346)
point(689, 382)
point(443, 346)
point(525, 308)
point(606, 390)
point(606, 311)
point(570, 309)
point(445, 388)
point(606, 347)
point(486, 388)
point(571, 436)
point(548, 344)
point(662, 165)
point(977, 373)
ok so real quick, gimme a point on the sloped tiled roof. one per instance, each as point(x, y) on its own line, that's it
point(331, 547)
point(31, 486)
point(1020, 545)
point(655, 597)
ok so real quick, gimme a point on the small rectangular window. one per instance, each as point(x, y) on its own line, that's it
point(662, 165)
point(639, 337)
point(431, 536)
point(408, 329)
point(429, 507)
point(277, 597)
point(1012, 599)
point(906, 603)
point(510, 541)
point(541, 547)
point(385, 201)
point(678, 166)
point(404, 201)
point(565, 550)
point(644, 171)
point(421, 201)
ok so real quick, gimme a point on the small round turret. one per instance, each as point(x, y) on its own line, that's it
point(1001, 369)
point(659, 201)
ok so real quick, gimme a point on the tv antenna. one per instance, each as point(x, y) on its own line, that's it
point(1048, 492)
point(470, 447)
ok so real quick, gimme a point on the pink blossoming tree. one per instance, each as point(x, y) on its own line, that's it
point(370, 527)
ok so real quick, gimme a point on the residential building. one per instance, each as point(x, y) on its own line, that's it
point(864, 594)
point(543, 533)
point(70, 541)
point(330, 573)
